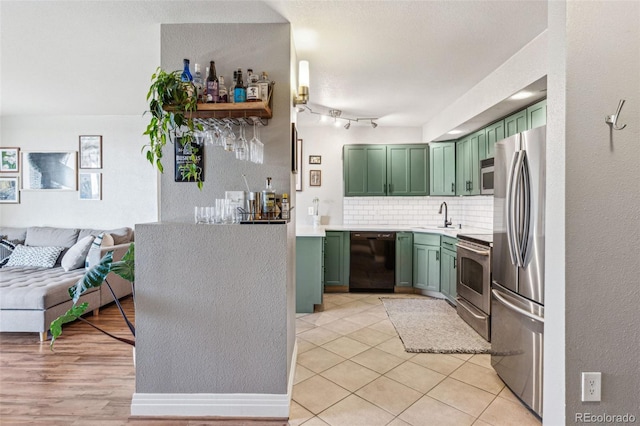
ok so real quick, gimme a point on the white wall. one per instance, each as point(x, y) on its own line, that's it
point(602, 196)
point(74, 68)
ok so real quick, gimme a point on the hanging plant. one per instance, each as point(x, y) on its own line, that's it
point(171, 101)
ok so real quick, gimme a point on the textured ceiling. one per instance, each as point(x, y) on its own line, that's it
point(404, 61)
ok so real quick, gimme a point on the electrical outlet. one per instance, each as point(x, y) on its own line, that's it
point(591, 383)
point(310, 211)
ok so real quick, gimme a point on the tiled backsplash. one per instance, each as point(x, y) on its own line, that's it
point(476, 212)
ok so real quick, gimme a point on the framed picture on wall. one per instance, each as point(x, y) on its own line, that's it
point(51, 170)
point(299, 174)
point(9, 190)
point(90, 186)
point(9, 160)
point(90, 152)
point(315, 177)
point(315, 159)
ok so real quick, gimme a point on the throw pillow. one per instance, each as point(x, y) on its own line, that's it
point(76, 256)
point(94, 255)
point(34, 256)
point(6, 248)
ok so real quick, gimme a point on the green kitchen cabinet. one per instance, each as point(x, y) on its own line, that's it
point(365, 172)
point(515, 123)
point(448, 268)
point(404, 259)
point(537, 115)
point(442, 168)
point(426, 262)
point(309, 273)
point(407, 170)
point(336, 258)
point(468, 152)
point(495, 133)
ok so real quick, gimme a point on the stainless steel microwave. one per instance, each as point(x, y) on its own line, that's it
point(486, 176)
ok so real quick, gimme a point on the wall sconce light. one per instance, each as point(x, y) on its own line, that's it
point(302, 97)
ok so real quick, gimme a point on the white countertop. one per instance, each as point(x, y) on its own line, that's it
point(319, 231)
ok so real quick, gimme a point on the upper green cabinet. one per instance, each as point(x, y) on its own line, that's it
point(442, 168)
point(515, 123)
point(537, 115)
point(407, 170)
point(495, 133)
point(365, 170)
point(375, 170)
point(468, 152)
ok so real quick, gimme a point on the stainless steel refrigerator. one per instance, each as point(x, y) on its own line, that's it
point(517, 293)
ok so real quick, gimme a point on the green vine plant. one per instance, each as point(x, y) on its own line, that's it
point(171, 101)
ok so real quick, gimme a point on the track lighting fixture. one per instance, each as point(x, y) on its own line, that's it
point(336, 114)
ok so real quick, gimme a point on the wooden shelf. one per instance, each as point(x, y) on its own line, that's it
point(239, 110)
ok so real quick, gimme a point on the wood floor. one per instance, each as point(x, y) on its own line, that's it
point(88, 380)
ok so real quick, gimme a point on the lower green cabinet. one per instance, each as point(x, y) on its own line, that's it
point(336, 258)
point(309, 273)
point(404, 259)
point(426, 266)
point(448, 268)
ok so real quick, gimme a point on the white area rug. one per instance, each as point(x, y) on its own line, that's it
point(433, 326)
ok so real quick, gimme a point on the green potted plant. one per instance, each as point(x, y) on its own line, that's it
point(95, 277)
point(171, 102)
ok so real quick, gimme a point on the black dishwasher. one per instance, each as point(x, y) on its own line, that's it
point(373, 262)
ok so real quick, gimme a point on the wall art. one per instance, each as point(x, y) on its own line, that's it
point(9, 160)
point(183, 159)
point(90, 186)
point(9, 190)
point(90, 152)
point(50, 170)
point(315, 159)
point(315, 177)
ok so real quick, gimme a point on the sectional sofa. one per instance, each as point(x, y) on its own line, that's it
point(33, 296)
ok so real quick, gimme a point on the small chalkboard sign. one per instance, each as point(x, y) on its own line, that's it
point(183, 158)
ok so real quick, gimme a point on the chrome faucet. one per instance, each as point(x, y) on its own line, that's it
point(446, 222)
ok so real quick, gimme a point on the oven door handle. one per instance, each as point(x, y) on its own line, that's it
point(481, 253)
point(513, 307)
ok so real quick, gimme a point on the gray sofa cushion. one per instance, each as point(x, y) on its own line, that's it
point(77, 255)
point(120, 235)
point(48, 237)
point(36, 288)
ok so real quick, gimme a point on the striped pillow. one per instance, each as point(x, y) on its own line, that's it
point(6, 248)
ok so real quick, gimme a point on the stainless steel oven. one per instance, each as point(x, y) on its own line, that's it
point(473, 282)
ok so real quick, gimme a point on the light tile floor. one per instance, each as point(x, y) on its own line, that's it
point(352, 370)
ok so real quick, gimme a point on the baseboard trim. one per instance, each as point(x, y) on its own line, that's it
point(237, 405)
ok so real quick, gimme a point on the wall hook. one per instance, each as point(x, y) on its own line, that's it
point(612, 120)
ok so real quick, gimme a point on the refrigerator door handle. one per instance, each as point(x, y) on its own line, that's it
point(517, 216)
point(515, 308)
point(512, 220)
point(525, 193)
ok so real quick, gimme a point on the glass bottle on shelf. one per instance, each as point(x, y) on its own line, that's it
point(198, 82)
point(253, 90)
point(264, 86)
point(186, 74)
point(239, 92)
point(268, 201)
point(232, 87)
point(212, 83)
point(223, 96)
